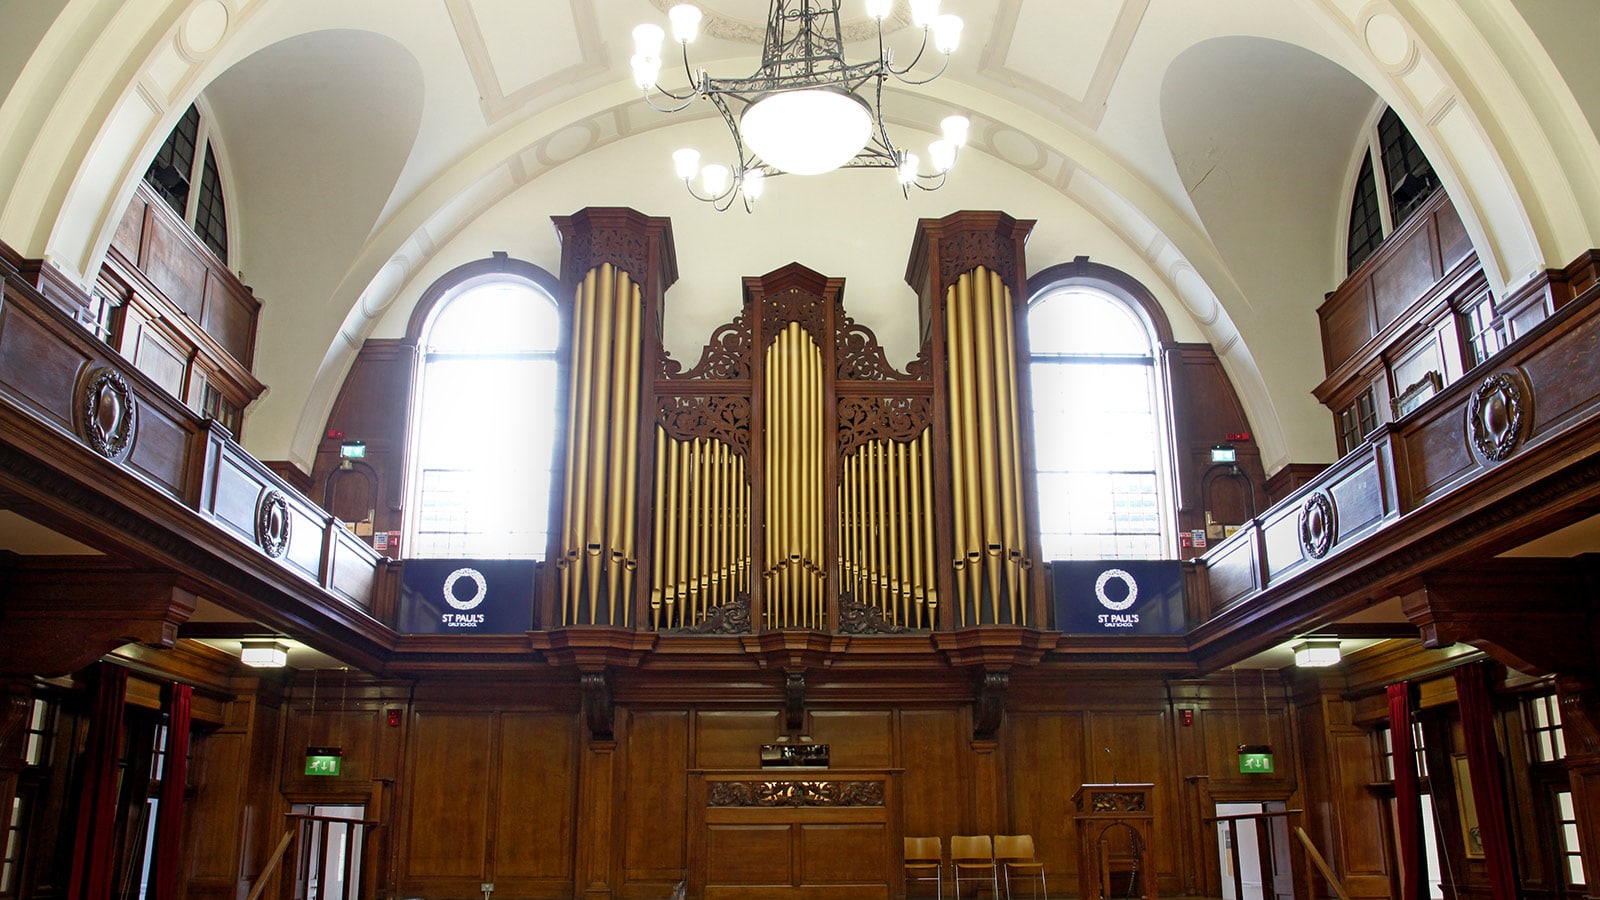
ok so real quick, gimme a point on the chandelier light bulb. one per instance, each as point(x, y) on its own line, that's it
point(955, 129)
point(647, 40)
point(754, 181)
point(942, 154)
point(946, 33)
point(687, 162)
point(715, 178)
point(923, 12)
point(685, 22)
point(908, 169)
point(879, 9)
point(646, 69)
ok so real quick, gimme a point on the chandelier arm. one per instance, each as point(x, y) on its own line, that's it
point(687, 99)
point(883, 127)
point(742, 161)
point(942, 66)
point(901, 73)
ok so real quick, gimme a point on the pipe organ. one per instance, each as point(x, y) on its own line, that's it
point(793, 478)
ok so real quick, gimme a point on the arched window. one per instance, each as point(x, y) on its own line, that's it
point(1391, 166)
point(1097, 426)
point(484, 421)
point(179, 165)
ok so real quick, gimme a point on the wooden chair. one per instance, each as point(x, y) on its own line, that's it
point(972, 859)
point(925, 862)
point(1014, 853)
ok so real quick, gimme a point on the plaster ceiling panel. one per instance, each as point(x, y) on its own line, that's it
point(518, 52)
point(1072, 62)
point(28, 538)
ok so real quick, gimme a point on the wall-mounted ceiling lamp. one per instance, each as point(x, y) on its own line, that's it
point(804, 111)
point(264, 654)
point(1316, 652)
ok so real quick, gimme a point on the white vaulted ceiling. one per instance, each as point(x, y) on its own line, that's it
point(1205, 147)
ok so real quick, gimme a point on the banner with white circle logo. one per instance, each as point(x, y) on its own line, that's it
point(1119, 596)
point(467, 596)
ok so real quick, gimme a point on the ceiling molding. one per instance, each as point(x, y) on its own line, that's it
point(496, 103)
point(1088, 109)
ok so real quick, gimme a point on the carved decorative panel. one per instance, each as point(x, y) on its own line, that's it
point(725, 356)
point(1495, 415)
point(863, 419)
point(794, 793)
point(725, 419)
point(106, 413)
point(1318, 527)
point(272, 523)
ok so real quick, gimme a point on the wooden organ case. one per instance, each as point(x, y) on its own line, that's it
point(793, 478)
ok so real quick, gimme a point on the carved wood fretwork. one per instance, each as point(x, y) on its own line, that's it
point(794, 793)
point(795, 305)
point(859, 618)
point(863, 419)
point(964, 251)
point(725, 357)
point(725, 419)
point(729, 618)
point(859, 356)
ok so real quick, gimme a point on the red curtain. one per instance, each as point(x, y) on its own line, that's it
point(1488, 791)
point(95, 842)
point(1407, 798)
point(169, 819)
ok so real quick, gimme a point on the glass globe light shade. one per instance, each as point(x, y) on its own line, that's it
point(686, 162)
point(879, 9)
point(942, 154)
point(947, 33)
point(646, 69)
point(754, 181)
point(647, 39)
point(715, 178)
point(685, 19)
point(923, 12)
point(807, 132)
point(908, 168)
point(955, 129)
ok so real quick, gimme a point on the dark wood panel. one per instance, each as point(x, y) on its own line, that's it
point(212, 851)
point(1281, 535)
point(234, 493)
point(36, 367)
point(1232, 570)
point(733, 739)
point(130, 231)
point(861, 739)
point(1141, 751)
point(449, 790)
point(306, 533)
point(164, 363)
point(655, 795)
point(1454, 244)
point(230, 317)
point(1436, 455)
point(931, 742)
point(1357, 499)
point(845, 854)
point(1563, 375)
point(1347, 324)
point(161, 448)
point(353, 568)
point(535, 805)
point(173, 266)
point(1405, 274)
point(748, 854)
point(1045, 763)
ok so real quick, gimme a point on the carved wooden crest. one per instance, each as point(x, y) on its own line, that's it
point(1495, 416)
point(272, 523)
point(106, 411)
point(1317, 525)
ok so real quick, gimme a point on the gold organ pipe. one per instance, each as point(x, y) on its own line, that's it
point(989, 461)
point(906, 489)
point(773, 522)
point(880, 516)
point(964, 428)
point(658, 529)
point(578, 459)
point(713, 525)
point(619, 468)
point(850, 486)
point(1011, 460)
point(819, 541)
point(673, 508)
point(630, 458)
point(930, 578)
point(913, 530)
point(704, 502)
point(598, 457)
point(685, 516)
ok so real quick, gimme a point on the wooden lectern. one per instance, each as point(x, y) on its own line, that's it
point(1116, 858)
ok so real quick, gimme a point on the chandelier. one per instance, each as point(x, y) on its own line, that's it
point(806, 110)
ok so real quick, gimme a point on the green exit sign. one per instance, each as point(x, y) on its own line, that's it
point(324, 760)
point(1255, 759)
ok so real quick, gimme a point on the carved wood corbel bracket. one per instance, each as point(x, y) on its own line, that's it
point(599, 708)
point(988, 709)
point(1531, 614)
point(63, 613)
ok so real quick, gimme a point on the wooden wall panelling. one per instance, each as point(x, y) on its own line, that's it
point(857, 738)
point(655, 787)
point(38, 365)
point(533, 825)
point(446, 850)
point(1204, 409)
point(234, 819)
point(732, 739)
point(1046, 765)
point(1136, 734)
point(935, 772)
